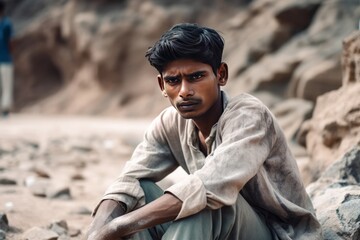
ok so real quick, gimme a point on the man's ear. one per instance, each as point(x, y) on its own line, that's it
point(161, 85)
point(222, 74)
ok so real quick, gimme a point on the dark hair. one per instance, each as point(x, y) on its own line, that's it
point(187, 41)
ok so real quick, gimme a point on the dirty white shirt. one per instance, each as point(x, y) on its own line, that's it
point(247, 154)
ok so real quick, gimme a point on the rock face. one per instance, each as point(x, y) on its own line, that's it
point(92, 53)
point(335, 126)
point(333, 141)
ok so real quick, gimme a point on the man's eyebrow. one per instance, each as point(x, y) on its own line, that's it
point(195, 73)
point(171, 77)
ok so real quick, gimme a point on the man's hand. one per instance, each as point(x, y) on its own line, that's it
point(107, 211)
point(162, 210)
point(111, 231)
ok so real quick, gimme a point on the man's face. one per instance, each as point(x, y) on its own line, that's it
point(192, 87)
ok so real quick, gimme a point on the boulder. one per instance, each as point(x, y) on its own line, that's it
point(336, 197)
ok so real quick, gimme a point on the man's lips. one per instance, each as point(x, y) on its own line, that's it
point(187, 105)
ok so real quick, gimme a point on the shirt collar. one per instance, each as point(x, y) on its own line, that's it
point(225, 99)
point(193, 140)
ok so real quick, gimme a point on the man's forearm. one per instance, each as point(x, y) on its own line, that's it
point(107, 211)
point(162, 210)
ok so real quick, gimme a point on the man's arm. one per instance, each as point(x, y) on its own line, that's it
point(107, 211)
point(164, 209)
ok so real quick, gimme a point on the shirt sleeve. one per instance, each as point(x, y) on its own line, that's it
point(152, 159)
point(246, 133)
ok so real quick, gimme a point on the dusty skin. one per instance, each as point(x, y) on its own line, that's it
point(84, 154)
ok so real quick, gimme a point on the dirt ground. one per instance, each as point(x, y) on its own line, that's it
point(84, 154)
point(44, 154)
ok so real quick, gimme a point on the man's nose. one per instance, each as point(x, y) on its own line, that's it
point(186, 89)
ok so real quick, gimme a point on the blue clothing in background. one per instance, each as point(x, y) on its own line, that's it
point(6, 32)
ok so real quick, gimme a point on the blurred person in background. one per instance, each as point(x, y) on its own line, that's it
point(6, 67)
point(243, 181)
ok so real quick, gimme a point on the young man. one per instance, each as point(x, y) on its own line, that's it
point(243, 182)
point(6, 67)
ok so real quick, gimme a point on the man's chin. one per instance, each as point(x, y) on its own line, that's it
point(187, 115)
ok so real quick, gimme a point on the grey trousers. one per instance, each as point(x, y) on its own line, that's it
point(238, 221)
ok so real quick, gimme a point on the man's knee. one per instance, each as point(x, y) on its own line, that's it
point(151, 190)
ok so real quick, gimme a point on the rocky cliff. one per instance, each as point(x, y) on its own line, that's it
point(88, 57)
point(333, 141)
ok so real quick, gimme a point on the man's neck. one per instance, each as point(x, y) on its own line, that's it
point(205, 123)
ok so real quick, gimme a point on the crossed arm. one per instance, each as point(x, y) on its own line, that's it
point(111, 222)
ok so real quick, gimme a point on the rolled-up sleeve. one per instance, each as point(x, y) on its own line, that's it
point(152, 159)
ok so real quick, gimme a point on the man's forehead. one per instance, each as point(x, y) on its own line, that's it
point(185, 66)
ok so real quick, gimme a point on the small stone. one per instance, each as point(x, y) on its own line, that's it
point(37, 233)
point(38, 190)
point(81, 147)
point(29, 181)
point(81, 211)
point(2, 235)
point(38, 186)
point(74, 232)
point(60, 227)
point(77, 176)
point(41, 172)
point(9, 206)
point(7, 181)
point(59, 193)
point(4, 223)
point(64, 237)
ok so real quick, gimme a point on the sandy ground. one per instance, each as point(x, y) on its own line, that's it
point(24, 210)
point(94, 148)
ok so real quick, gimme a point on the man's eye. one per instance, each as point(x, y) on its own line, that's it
point(196, 76)
point(172, 80)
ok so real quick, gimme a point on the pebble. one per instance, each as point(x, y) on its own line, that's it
point(62, 192)
point(60, 227)
point(37, 233)
point(81, 211)
point(2, 235)
point(77, 176)
point(9, 207)
point(4, 223)
point(7, 181)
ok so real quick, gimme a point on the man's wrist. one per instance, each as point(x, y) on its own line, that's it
point(109, 209)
